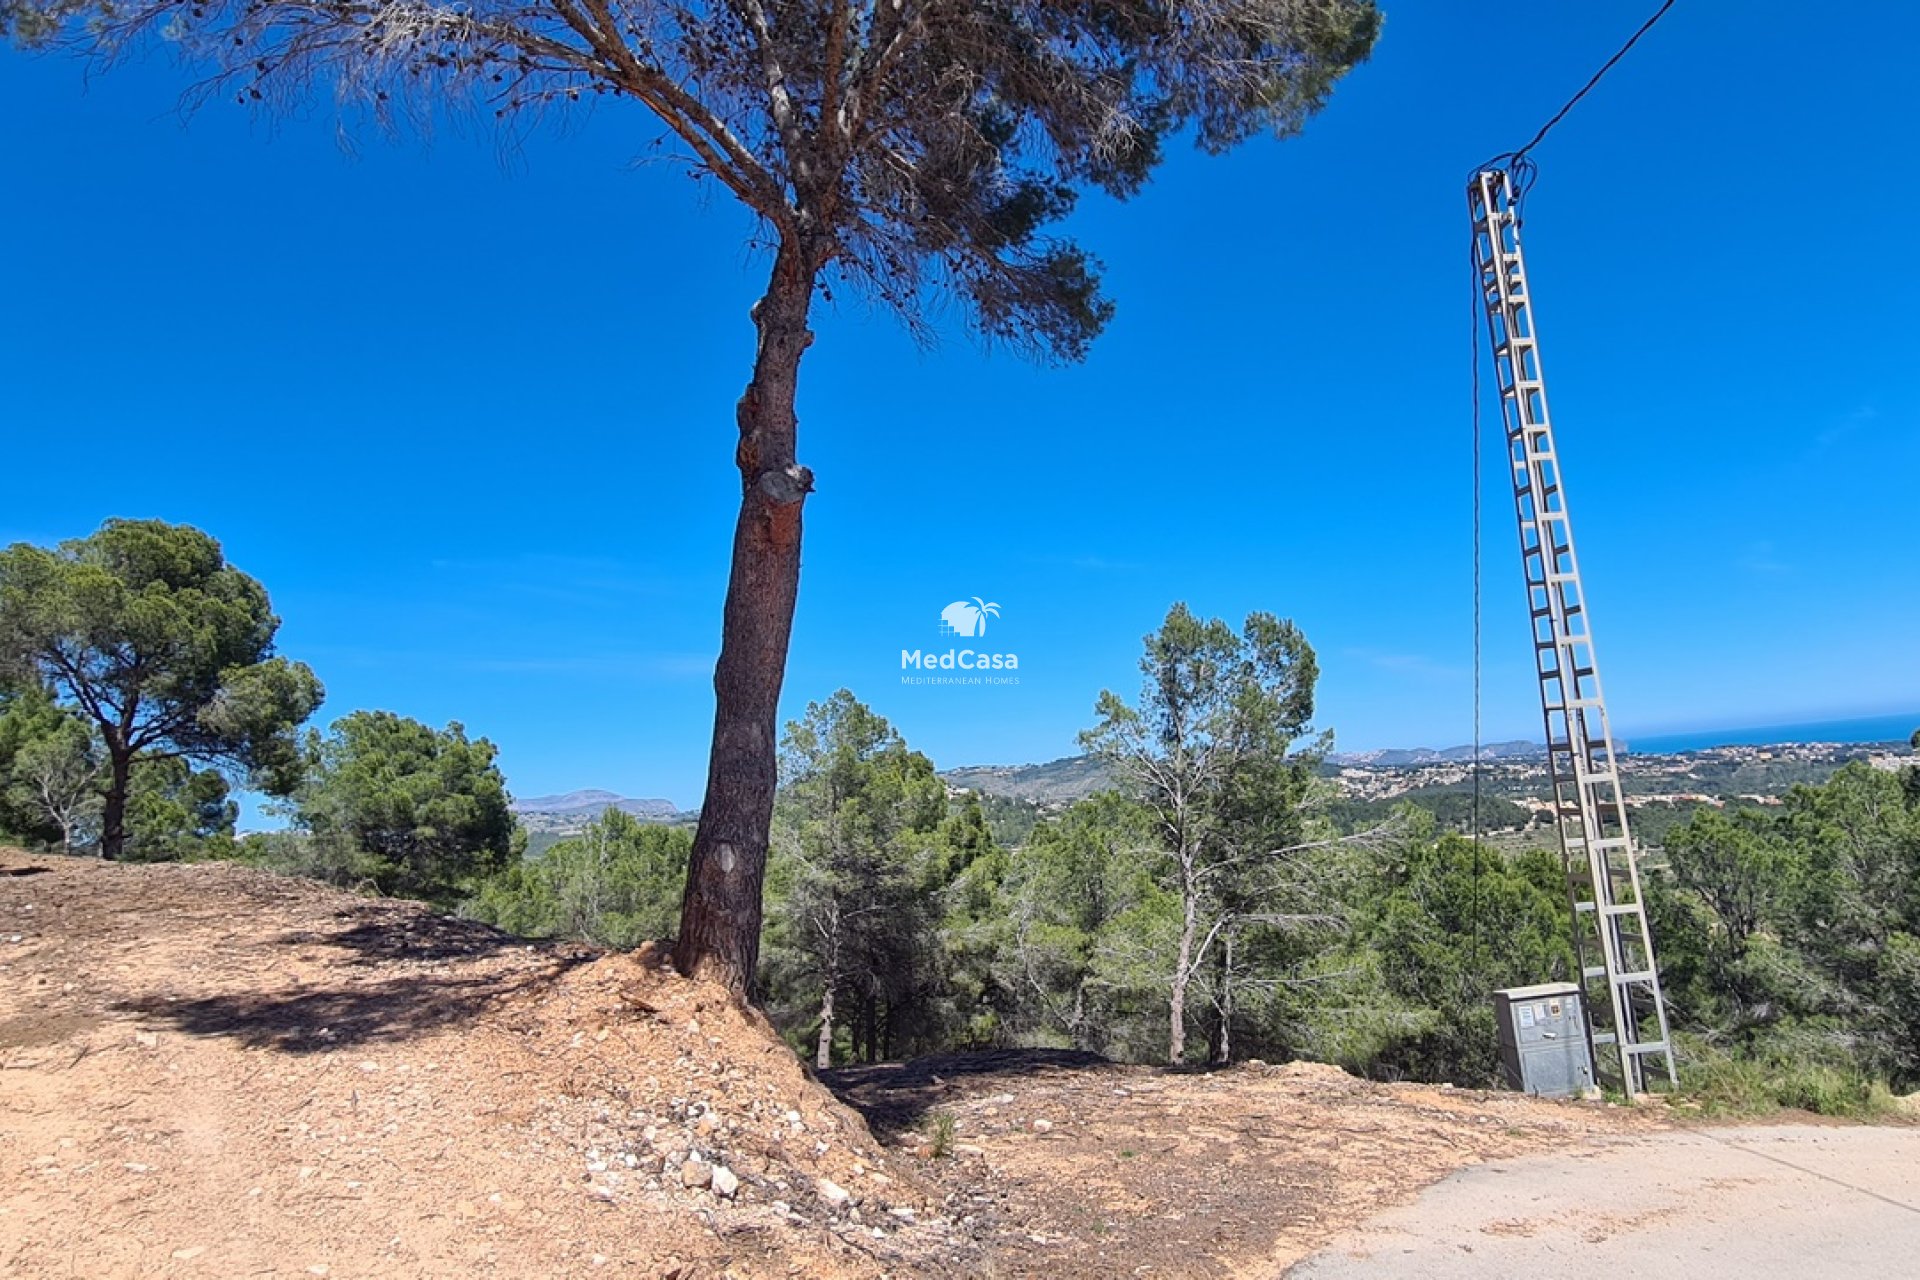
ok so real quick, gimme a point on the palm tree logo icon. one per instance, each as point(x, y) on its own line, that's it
point(967, 617)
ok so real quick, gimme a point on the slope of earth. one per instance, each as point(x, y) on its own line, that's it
point(212, 1071)
point(1066, 1165)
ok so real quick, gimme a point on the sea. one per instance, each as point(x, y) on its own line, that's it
point(1896, 728)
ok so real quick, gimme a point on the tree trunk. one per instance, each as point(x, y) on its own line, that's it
point(823, 1053)
point(1182, 970)
point(1223, 1050)
point(720, 911)
point(113, 818)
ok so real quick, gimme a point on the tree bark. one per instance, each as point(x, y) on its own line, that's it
point(1183, 967)
point(113, 816)
point(720, 911)
point(1223, 1051)
point(823, 1052)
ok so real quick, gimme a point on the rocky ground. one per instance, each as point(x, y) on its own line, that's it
point(212, 1071)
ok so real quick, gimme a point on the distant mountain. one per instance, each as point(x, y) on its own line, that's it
point(1056, 782)
point(1396, 757)
point(591, 804)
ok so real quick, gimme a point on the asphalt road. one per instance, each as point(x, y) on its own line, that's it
point(1776, 1200)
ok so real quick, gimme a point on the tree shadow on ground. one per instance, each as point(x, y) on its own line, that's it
point(895, 1096)
point(346, 1016)
point(416, 994)
point(385, 932)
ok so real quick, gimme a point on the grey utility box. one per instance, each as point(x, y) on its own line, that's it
point(1543, 1039)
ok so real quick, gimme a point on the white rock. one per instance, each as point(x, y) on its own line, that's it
point(836, 1196)
point(725, 1181)
point(1043, 1126)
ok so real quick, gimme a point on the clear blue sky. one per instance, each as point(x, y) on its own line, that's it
point(470, 420)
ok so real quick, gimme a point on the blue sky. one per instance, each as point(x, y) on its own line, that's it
point(469, 418)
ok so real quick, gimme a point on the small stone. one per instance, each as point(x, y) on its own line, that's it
point(696, 1173)
point(725, 1182)
point(319, 1269)
point(836, 1196)
point(145, 1039)
point(1043, 1126)
point(189, 1254)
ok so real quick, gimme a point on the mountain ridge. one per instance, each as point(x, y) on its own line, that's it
point(591, 803)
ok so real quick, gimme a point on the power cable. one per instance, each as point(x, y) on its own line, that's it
point(1587, 88)
point(1517, 163)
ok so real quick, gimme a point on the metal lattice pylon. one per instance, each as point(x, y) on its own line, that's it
point(1627, 1015)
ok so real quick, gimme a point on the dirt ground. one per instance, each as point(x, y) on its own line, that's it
point(212, 1071)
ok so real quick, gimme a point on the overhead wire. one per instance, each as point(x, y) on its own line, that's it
point(1517, 163)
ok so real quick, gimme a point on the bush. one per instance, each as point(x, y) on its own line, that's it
point(1754, 1083)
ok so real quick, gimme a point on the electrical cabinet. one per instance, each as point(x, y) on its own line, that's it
point(1543, 1039)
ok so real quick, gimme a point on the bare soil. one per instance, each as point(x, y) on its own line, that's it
point(213, 1071)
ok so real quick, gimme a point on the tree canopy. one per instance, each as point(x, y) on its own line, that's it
point(1209, 753)
point(858, 812)
point(427, 809)
point(146, 632)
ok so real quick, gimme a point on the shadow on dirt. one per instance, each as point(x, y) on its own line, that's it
point(315, 1021)
point(895, 1096)
point(380, 933)
point(416, 995)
